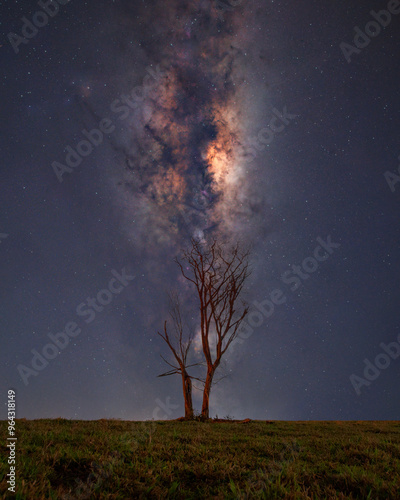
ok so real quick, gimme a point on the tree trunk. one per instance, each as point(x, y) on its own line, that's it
point(206, 394)
point(187, 394)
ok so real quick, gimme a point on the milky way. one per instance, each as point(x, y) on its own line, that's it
point(185, 171)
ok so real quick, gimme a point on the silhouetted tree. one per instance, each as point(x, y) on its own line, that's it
point(218, 275)
point(179, 346)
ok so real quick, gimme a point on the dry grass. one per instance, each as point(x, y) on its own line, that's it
point(66, 459)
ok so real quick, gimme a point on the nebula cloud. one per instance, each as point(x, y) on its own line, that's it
point(185, 172)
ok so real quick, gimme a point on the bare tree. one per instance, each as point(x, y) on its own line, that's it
point(218, 275)
point(179, 346)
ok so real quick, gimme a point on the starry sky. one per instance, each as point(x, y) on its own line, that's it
point(129, 127)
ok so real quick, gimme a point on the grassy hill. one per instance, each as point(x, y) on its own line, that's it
point(67, 459)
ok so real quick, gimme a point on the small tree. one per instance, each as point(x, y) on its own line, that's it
point(218, 275)
point(180, 349)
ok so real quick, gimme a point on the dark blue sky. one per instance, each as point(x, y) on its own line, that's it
point(194, 152)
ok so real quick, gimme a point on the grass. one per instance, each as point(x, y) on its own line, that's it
point(67, 459)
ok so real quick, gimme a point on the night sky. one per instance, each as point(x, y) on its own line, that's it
point(255, 122)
